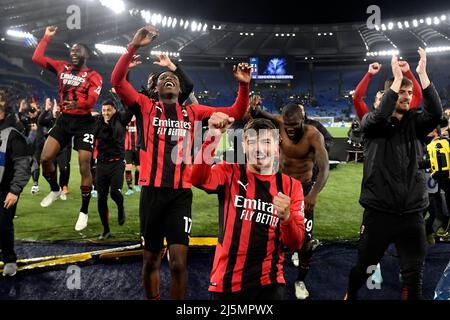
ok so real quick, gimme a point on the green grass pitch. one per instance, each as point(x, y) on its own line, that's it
point(337, 214)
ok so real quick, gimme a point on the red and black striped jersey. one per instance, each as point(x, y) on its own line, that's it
point(166, 132)
point(249, 252)
point(81, 85)
point(131, 136)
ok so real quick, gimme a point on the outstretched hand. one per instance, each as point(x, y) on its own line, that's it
point(144, 36)
point(242, 72)
point(164, 61)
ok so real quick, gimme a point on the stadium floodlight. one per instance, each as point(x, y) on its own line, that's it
point(399, 25)
point(428, 21)
point(364, 59)
point(406, 23)
point(174, 22)
point(383, 27)
point(443, 17)
point(331, 33)
point(186, 24)
point(324, 33)
point(2, 39)
point(193, 26)
point(181, 22)
point(118, 6)
point(282, 34)
point(241, 33)
point(415, 23)
point(421, 21)
point(199, 27)
point(293, 34)
point(107, 48)
point(169, 21)
point(205, 26)
point(276, 34)
point(437, 49)
point(319, 34)
point(390, 25)
point(306, 58)
point(154, 18)
point(246, 33)
point(158, 18)
point(19, 34)
point(164, 21)
point(436, 20)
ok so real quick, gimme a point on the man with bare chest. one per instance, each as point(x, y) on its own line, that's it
point(302, 146)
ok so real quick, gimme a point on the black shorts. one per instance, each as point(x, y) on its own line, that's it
point(80, 127)
point(309, 215)
point(132, 157)
point(165, 213)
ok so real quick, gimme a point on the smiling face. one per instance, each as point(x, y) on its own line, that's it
point(260, 147)
point(404, 99)
point(78, 55)
point(168, 85)
point(107, 112)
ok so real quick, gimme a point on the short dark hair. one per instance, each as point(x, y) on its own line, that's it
point(259, 124)
point(405, 83)
point(291, 110)
point(109, 103)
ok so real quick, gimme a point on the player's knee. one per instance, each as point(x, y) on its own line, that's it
point(85, 167)
point(46, 159)
point(177, 266)
point(151, 261)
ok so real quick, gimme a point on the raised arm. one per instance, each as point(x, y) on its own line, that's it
point(39, 53)
point(239, 107)
point(360, 91)
point(432, 111)
point(128, 95)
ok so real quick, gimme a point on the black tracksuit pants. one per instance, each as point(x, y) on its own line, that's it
point(7, 230)
point(378, 231)
point(109, 176)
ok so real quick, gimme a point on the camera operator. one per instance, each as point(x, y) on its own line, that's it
point(28, 116)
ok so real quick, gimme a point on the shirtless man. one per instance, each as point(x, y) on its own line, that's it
point(302, 146)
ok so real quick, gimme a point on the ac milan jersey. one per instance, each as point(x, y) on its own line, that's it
point(166, 132)
point(131, 136)
point(249, 253)
point(81, 85)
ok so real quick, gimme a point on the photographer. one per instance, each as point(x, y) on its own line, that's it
point(393, 187)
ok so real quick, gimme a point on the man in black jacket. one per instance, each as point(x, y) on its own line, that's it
point(110, 138)
point(393, 191)
point(14, 175)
